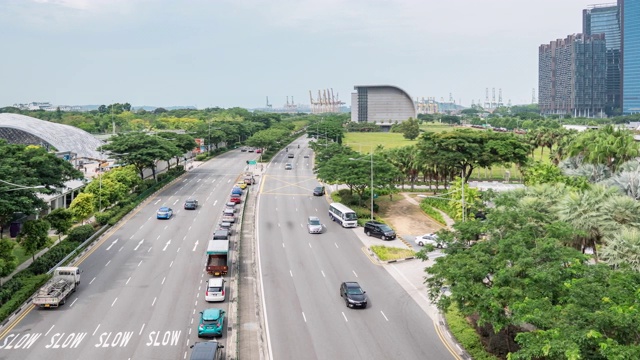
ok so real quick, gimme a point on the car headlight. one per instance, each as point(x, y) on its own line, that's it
point(352, 301)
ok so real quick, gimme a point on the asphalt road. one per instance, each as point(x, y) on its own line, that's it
point(143, 287)
point(301, 273)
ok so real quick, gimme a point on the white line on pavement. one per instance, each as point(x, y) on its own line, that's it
point(96, 330)
point(74, 301)
point(323, 275)
point(354, 273)
point(51, 328)
point(142, 328)
point(385, 316)
point(345, 317)
point(108, 262)
point(91, 281)
point(114, 302)
point(129, 279)
point(304, 317)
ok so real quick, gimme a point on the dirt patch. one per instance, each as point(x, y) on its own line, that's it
point(405, 217)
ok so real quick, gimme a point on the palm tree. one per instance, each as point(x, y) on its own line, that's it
point(585, 212)
point(623, 248)
point(627, 180)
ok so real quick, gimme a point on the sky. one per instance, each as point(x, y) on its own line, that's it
point(228, 53)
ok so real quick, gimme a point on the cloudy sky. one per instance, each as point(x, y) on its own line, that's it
point(236, 52)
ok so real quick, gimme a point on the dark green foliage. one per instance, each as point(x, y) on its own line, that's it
point(102, 218)
point(21, 290)
point(47, 261)
point(80, 233)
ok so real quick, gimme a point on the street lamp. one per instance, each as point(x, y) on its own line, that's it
point(371, 187)
point(20, 187)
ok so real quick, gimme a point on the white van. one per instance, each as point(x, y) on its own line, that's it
point(342, 214)
point(215, 290)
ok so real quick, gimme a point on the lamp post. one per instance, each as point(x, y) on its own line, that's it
point(20, 187)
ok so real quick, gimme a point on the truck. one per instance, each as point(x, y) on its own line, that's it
point(55, 292)
point(217, 255)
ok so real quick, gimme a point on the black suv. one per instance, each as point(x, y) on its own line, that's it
point(209, 350)
point(318, 191)
point(353, 295)
point(191, 204)
point(378, 229)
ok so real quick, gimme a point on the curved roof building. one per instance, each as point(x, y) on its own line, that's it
point(381, 104)
point(21, 129)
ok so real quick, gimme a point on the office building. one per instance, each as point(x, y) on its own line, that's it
point(381, 104)
point(630, 15)
point(571, 76)
point(605, 19)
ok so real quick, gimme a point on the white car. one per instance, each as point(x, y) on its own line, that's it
point(431, 239)
point(215, 290)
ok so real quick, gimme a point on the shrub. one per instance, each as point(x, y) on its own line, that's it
point(103, 217)
point(80, 233)
point(121, 213)
point(201, 157)
point(441, 204)
point(433, 213)
point(386, 253)
point(466, 335)
point(47, 261)
point(28, 285)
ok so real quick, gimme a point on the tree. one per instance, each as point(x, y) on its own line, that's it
point(30, 167)
point(410, 129)
point(61, 220)
point(623, 249)
point(82, 206)
point(7, 259)
point(33, 236)
point(609, 146)
point(141, 150)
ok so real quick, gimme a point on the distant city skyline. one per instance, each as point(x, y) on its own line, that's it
point(237, 52)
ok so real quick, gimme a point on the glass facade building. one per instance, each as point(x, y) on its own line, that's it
point(630, 14)
point(605, 19)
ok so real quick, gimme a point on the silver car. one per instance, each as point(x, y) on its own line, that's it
point(313, 225)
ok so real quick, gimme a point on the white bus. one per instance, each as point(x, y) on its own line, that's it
point(342, 214)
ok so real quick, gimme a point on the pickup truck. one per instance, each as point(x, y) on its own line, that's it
point(217, 255)
point(55, 292)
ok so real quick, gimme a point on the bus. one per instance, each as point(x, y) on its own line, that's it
point(342, 214)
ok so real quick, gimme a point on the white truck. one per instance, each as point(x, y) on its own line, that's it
point(55, 292)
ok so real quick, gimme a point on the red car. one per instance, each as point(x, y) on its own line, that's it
point(258, 151)
point(235, 199)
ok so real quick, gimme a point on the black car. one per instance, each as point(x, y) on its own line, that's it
point(221, 234)
point(290, 156)
point(378, 229)
point(353, 295)
point(209, 350)
point(318, 191)
point(191, 204)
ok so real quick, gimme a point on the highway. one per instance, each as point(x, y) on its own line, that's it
point(142, 286)
point(301, 273)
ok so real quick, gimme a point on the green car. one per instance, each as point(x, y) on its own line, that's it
point(211, 321)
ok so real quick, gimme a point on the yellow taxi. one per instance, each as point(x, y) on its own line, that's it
point(241, 185)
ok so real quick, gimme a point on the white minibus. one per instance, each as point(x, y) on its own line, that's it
point(342, 214)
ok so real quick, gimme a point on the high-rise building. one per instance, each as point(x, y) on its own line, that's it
point(605, 19)
point(630, 15)
point(571, 76)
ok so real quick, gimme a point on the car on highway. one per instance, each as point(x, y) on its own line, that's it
point(242, 185)
point(430, 239)
point(164, 213)
point(191, 204)
point(206, 350)
point(225, 225)
point(215, 290)
point(236, 191)
point(211, 322)
point(229, 211)
point(318, 191)
point(230, 204)
point(378, 229)
point(314, 225)
point(290, 156)
point(288, 166)
point(353, 295)
point(235, 199)
point(306, 156)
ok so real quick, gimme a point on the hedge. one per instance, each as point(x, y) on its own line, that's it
point(29, 285)
point(466, 335)
point(440, 204)
point(433, 213)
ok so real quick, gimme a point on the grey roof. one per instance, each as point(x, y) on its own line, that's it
point(21, 129)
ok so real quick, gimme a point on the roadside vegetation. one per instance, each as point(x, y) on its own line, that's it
point(386, 253)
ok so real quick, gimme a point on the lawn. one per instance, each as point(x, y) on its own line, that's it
point(20, 254)
point(363, 141)
point(386, 253)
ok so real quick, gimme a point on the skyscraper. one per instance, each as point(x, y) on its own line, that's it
point(571, 76)
point(630, 15)
point(605, 19)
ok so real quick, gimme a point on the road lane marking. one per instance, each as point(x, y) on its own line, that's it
point(142, 328)
point(291, 272)
point(345, 317)
point(74, 301)
point(113, 243)
point(121, 249)
point(51, 328)
point(140, 263)
point(354, 273)
point(215, 202)
point(91, 281)
point(304, 317)
point(178, 250)
point(336, 244)
point(131, 237)
point(385, 316)
point(167, 244)
point(195, 245)
point(322, 273)
point(150, 249)
point(282, 244)
point(154, 301)
point(96, 330)
point(310, 245)
point(137, 246)
point(107, 264)
point(129, 279)
point(158, 238)
point(163, 279)
point(170, 265)
point(114, 302)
